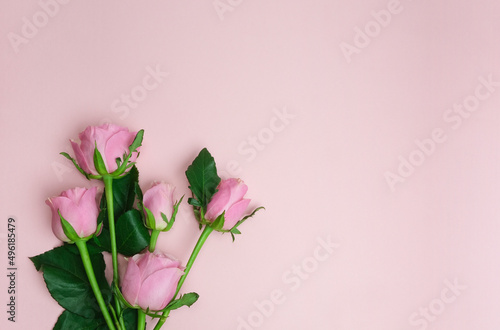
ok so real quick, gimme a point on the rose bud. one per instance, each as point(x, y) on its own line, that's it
point(150, 280)
point(229, 199)
point(79, 208)
point(159, 201)
point(112, 141)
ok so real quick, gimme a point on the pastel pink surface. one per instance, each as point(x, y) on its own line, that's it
point(269, 91)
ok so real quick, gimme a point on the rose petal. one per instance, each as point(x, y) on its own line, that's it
point(218, 204)
point(235, 213)
point(153, 262)
point(159, 288)
point(56, 222)
point(237, 188)
point(75, 194)
point(131, 282)
point(80, 158)
point(116, 146)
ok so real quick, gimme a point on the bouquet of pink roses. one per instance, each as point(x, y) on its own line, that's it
point(127, 221)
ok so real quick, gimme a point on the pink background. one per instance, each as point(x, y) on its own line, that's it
point(320, 174)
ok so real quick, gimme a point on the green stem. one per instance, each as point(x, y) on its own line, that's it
point(108, 189)
point(154, 238)
point(117, 323)
point(87, 264)
point(203, 237)
point(141, 319)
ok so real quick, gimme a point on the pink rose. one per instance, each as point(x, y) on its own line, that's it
point(78, 206)
point(150, 280)
point(112, 142)
point(228, 198)
point(159, 199)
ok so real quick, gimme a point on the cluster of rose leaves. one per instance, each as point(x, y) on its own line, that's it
point(151, 279)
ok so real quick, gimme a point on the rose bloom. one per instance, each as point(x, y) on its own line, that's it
point(160, 199)
point(228, 198)
point(78, 206)
point(150, 280)
point(112, 142)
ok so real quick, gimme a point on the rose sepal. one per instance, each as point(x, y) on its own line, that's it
point(116, 290)
point(70, 232)
point(218, 223)
point(149, 218)
point(234, 230)
point(99, 162)
point(88, 176)
point(187, 299)
point(170, 222)
point(125, 165)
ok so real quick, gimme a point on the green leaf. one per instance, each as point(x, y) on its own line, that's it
point(67, 281)
point(39, 260)
point(130, 318)
point(138, 191)
point(131, 235)
point(103, 241)
point(203, 178)
point(92, 248)
point(185, 300)
point(68, 320)
point(124, 192)
point(194, 202)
